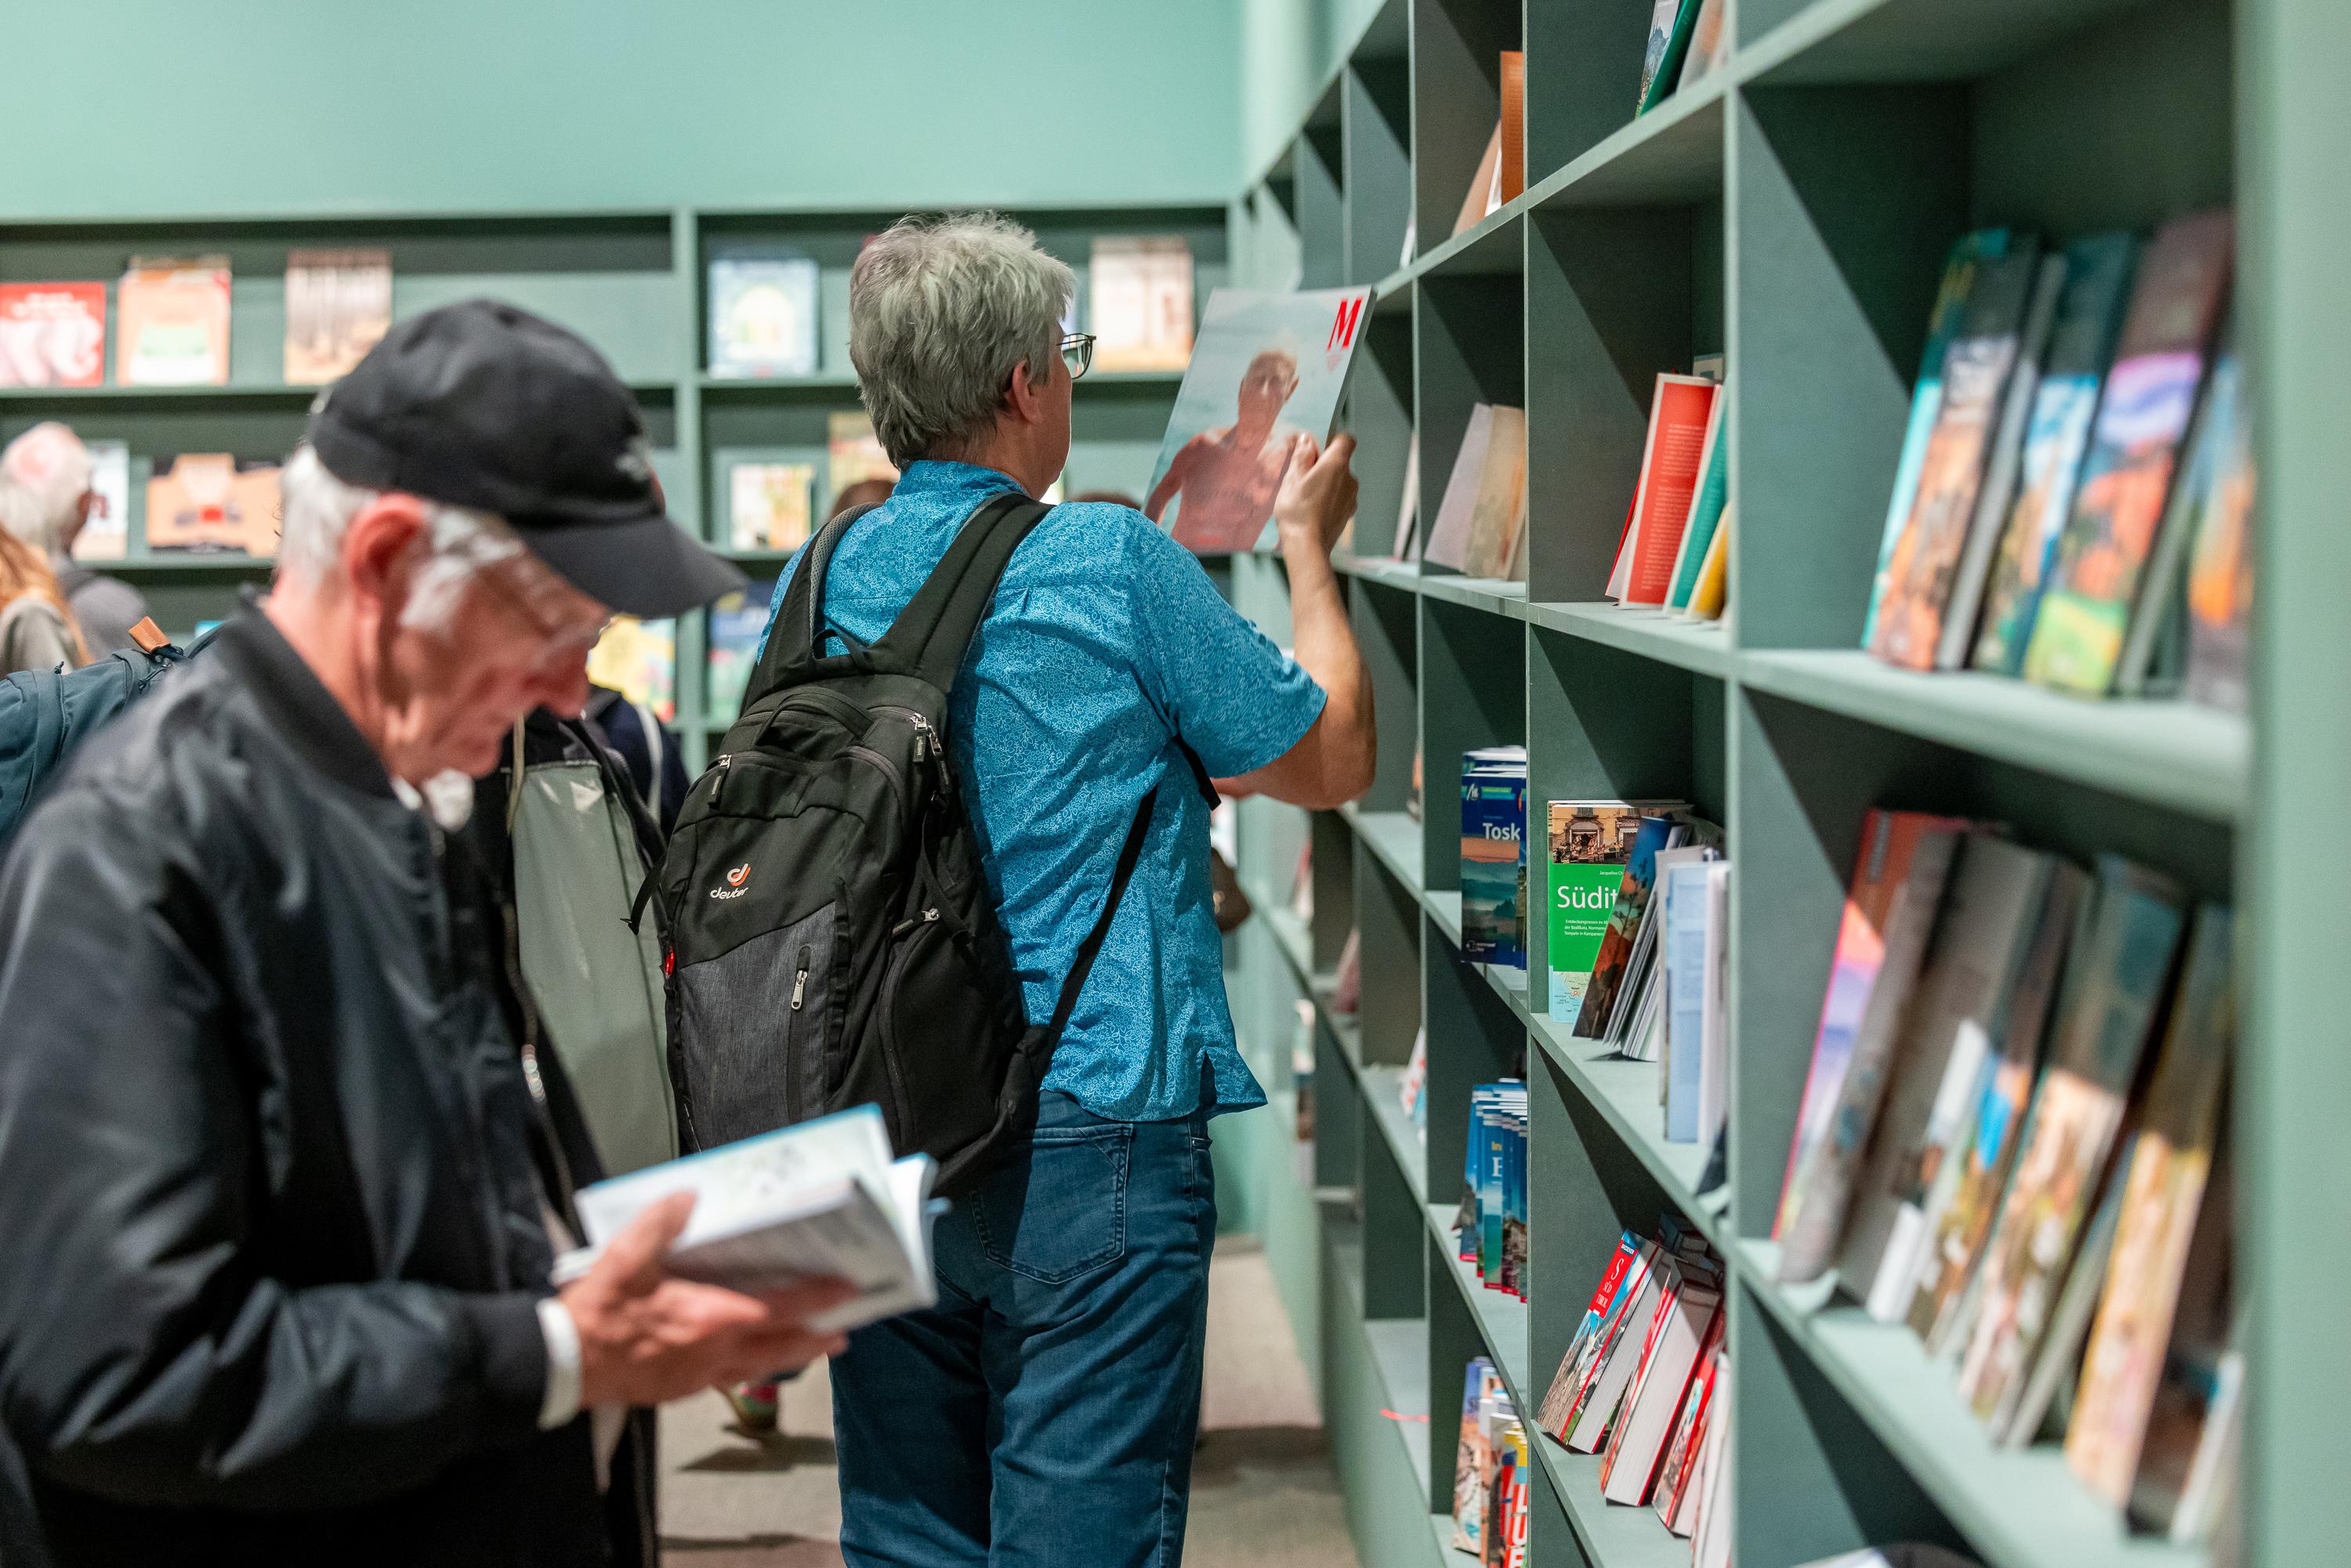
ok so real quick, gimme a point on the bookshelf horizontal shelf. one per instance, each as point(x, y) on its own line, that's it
point(1444, 906)
point(1703, 646)
point(1624, 1093)
point(1394, 838)
point(1399, 1352)
point(756, 561)
point(1671, 155)
point(1494, 246)
point(1864, 41)
point(2020, 1508)
point(1383, 1089)
point(1403, 576)
point(185, 566)
point(1440, 1525)
point(1612, 1535)
point(2173, 754)
point(1498, 595)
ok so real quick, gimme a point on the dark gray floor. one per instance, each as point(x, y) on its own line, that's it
point(1262, 1489)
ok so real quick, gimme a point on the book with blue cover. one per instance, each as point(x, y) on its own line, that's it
point(1494, 856)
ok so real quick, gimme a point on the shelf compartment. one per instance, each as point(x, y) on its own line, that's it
point(2019, 1507)
point(1671, 155)
point(1846, 41)
point(2170, 754)
point(1394, 838)
point(1625, 1093)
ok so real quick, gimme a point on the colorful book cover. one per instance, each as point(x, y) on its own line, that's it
point(52, 334)
point(1919, 577)
point(1478, 1380)
point(2077, 1112)
point(1140, 302)
point(1983, 938)
point(2143, 416)
point(1559, 1398)
point(1597, 1385)
point(769, 505)
point(1613, 955)
point(1680, 1459)
point(338, 307)
point(1711, 595)
point(763, 314)
point(1493, 848)
point(2170, 1163)
point(211, 502)
point(737, 621)
point(2187, 1445)
point(2221, 567)
point(639, 660)
point(171, 323)
point(2057, 435)
point(1708, 45)
point(1679, 410)
point(1705, 506)
point(1898, 879)
point(105, 532)
point(1926, 398)
point(1670, 26)
point(1964, 1195)
point(1266, 373)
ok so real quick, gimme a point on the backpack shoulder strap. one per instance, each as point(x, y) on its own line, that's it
point(932, 635)
point(1129, 854)
point(797, 633)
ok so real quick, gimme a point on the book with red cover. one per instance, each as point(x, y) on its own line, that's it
point(52, 334)
point(1670, 463)
point(1636, 1446)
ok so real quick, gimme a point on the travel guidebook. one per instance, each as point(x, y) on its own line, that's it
point(1494, 856)
point(1267, 369)
point(1589, 843)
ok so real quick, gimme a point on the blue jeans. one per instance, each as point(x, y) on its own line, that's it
point(1044, 1411)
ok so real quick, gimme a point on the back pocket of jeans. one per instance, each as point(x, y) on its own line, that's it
point(755, 1023)
point(1055, 1207)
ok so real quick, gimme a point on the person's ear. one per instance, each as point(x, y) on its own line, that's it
point(1025, 396)
point(379, 553)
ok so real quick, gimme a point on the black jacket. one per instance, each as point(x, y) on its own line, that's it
point(271, 1231)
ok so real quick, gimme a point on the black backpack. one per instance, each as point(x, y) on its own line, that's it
point(832, 940)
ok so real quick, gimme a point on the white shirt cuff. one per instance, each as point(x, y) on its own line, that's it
point(562, 1335)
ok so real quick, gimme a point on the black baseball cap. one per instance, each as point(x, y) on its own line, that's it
point(483, 405)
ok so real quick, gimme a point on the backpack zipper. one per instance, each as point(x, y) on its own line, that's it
point(800, 981)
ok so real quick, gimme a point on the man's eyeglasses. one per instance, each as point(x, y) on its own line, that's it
point(1078, 353)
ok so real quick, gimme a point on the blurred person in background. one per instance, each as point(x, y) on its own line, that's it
point(283, 1167)
point(45, 500)
point(865, 493)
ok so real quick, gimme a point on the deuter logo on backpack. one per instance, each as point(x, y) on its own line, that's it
point(735, 880)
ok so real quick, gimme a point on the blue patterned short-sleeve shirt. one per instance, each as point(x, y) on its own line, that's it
point(1106, 642)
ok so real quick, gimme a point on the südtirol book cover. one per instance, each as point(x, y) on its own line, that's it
point(1267, 370)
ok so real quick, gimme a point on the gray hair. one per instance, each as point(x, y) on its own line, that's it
point(941, 310)
point(319, 509)
point(43, 474)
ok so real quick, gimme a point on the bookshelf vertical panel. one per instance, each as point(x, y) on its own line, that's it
point(1388, 914)
point(1846, 200)
point(1612, 291)
point(1340, 1135)
point(1584, 73)
point(1378, 411)
point(1473, 694)
point(1322, 204)
point(1332, 865)
point(1551, 1542)
point(1457, 102)
point(1454, 1340)
point(1387, 629)
point(1810, 1479)
point(1395, 1250)
point(1376, 121)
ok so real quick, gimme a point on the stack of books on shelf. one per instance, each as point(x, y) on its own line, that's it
point(1687, 41)
point(1674, 552)
point(1494, 858)
point(1492, 1485)
point(1644, 1383)
point(1490, 1226)
point(2011, 1140)
point(2074, 503)
point(1638, 944)
point(1480, 527)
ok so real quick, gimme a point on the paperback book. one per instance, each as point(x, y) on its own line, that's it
point(1587, 844)
point(738, 622)
point(338, 307)
point(2220, 565)
point(52, 334)
point(106, 532)
point(171, 323)
point(763, 313)
point(212, 503)
point(771, 505)
point(1482, 515)
point(639, 660)
point(1671, 468)
point(1267, 372)
point(1494, 856)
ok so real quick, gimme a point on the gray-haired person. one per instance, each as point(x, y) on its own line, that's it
point(1044, 1411)
point(45, 500)
point(280, 1190)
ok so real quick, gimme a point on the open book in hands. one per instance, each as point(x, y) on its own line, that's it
point(819, 1200)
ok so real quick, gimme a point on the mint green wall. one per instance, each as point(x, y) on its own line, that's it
point(283, 107)
point(1288, 49)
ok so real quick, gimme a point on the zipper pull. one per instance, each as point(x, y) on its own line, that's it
point(908, 924)
point(799, 986)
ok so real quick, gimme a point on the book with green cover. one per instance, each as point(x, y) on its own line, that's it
point(1661, 64)
point(1587, 843)
point(1707, 505)
point(1927, 400)
point(2143, 418)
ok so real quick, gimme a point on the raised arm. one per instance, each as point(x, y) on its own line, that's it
point(1332, 762)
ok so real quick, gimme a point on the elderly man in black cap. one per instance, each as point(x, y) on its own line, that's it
point(279, 1192)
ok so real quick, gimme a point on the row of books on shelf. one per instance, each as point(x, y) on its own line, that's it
point(2011, 1140)
point(1490, 1225)
point(1645, 1385)
point(1673, 553)
point(2074, 498)
point(764, 321)
point(1493, 1472)
point(171, 322)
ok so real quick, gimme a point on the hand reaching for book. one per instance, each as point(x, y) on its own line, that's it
point(646, 1336)
point(1318, 492)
